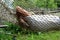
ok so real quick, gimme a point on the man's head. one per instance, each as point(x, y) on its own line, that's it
point(22, 12)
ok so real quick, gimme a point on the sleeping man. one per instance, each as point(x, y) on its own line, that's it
point(37, 22)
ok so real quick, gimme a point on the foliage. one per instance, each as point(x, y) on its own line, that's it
point(52, 35)
point(14, 29)
point(36, 3)
point(21, 34)
point(24, 3)
point(58, 2)
point(52, 4)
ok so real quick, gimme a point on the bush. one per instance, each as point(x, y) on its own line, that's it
point(36, 3)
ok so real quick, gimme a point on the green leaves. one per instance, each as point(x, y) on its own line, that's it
point(52, 4)
point(36, 3)
point(41, 3)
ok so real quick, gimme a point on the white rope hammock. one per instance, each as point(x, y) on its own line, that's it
point(43, 22)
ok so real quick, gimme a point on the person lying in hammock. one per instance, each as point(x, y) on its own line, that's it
point(37, 22)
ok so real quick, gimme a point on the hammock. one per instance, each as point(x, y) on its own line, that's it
point(38, 22)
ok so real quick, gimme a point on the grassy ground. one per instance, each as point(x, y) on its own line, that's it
point(52, 35)
point(41, 36)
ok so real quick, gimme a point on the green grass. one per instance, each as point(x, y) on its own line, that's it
point(55, 35)
point(41, 36)
point(9, 32)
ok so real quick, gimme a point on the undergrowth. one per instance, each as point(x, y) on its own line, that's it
point(15, 32)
